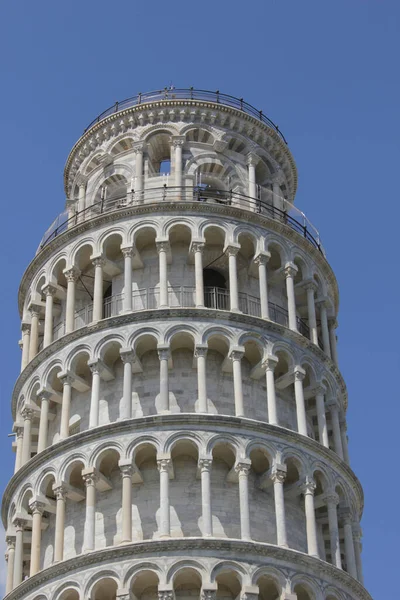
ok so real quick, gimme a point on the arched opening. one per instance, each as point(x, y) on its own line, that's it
point(215, 270)
point(187, 584)
point(145, 586)
point(220, 390)
point(146, 388)
point(108, 521)
point(146, 495)
point(302, 592)
point(112, 192)
point(268, 588)
point(69, 594)
point(113, 278)
point(294, 505)
point(224, 492)
point(105, 589)
point(111, 393)
point(74, 510)
point(262, 520)
point(183, 377)
point(229, 585)
point(158, 160)
point(145, 294)
point(185, 491)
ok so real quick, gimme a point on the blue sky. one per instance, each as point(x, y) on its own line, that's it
point(326, 72)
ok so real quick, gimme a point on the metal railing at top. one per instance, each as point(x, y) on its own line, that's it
point(264, 204)
point(181, 296)
point(188, 94)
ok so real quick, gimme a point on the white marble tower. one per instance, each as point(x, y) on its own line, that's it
point(179, 419)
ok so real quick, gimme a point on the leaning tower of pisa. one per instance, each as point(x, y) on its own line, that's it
point(180, 417)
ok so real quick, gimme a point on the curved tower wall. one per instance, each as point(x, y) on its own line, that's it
point(180, 416)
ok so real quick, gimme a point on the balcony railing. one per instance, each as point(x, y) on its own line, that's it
point(188, 94)
point(181, 296)
point(288, 215)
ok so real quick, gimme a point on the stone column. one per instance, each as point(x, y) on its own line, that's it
point(72, 276)
point(128, 357)
point(299, 375)
point(278, 476)
point(163, 468)
point(232, 251)
point(349, 544)
point(276, 194)
point(357, 533)
point(197, 249)
point(332, 501)
point(252, 160)
point(261, 261)
point(308, 490)
point(201, 355)
point(37, 512)
point(126, 474)
point(98, 263)
point(138, 149)
point(177, 144)
point(269, 364)
point(290, 272)
point(163, 355)
point(82, 198)
point(61, 498)
point(19, 524)
point(162, 248)
point(236, 356)
point(19, 435)
point(311, 288)
point(90, 477)
point(321, 416)
point(242, 469)
point(26, 336)
point(10, 557)
point(324, 327)
point(34, 338)
point(27, 414)
point(337, 436)
point(50, 292)
point(94, 366)
point(128, 253)
point(44, 419)
point(343, 433)
point(205, 465)
point(332, 338)
point(66, 379)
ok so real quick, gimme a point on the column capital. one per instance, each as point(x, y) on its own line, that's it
point(128, 251)
point(262, 258)
point(333, 324)
point(60, 491)
point(66, 377)
point(27, 413)
point(209, 593)
point(35, 309)
point(205, 464)
point(311, 285)
point(323, 301)
point(197, 246)
point(320, 389)
point(242, 467)
point(299, 373)
point(25, 327)
point(164, 465)
point(72, 274)
point(177, 140)
point(232, 249)
point(290, 269)
point(139, 147)
point(357, 531)
point(98, 260)
point(43, 394)
point(89, 476)
point(49, 289)
point(200, 350)
point(19, 522)
point(95, 365)
point(81, 180)
point(236, 353)
point(278, 474)
point(126, 468)
point(37, 506)
point(345, 515)
point(162, 245)
point(331, 498)
point(19, 431)
point(252, 159)
point(10, 541)
point(127, 355)
point(164, 351)
point(269, 362)
point(309, 486)
point(165, 594)
point(333, 405)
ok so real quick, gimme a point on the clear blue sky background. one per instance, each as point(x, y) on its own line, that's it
point(327, 73)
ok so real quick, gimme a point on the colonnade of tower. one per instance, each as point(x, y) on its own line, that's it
point(180, 417)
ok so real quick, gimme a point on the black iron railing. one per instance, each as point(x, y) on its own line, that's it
point(188, 94)
point(289, 215)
